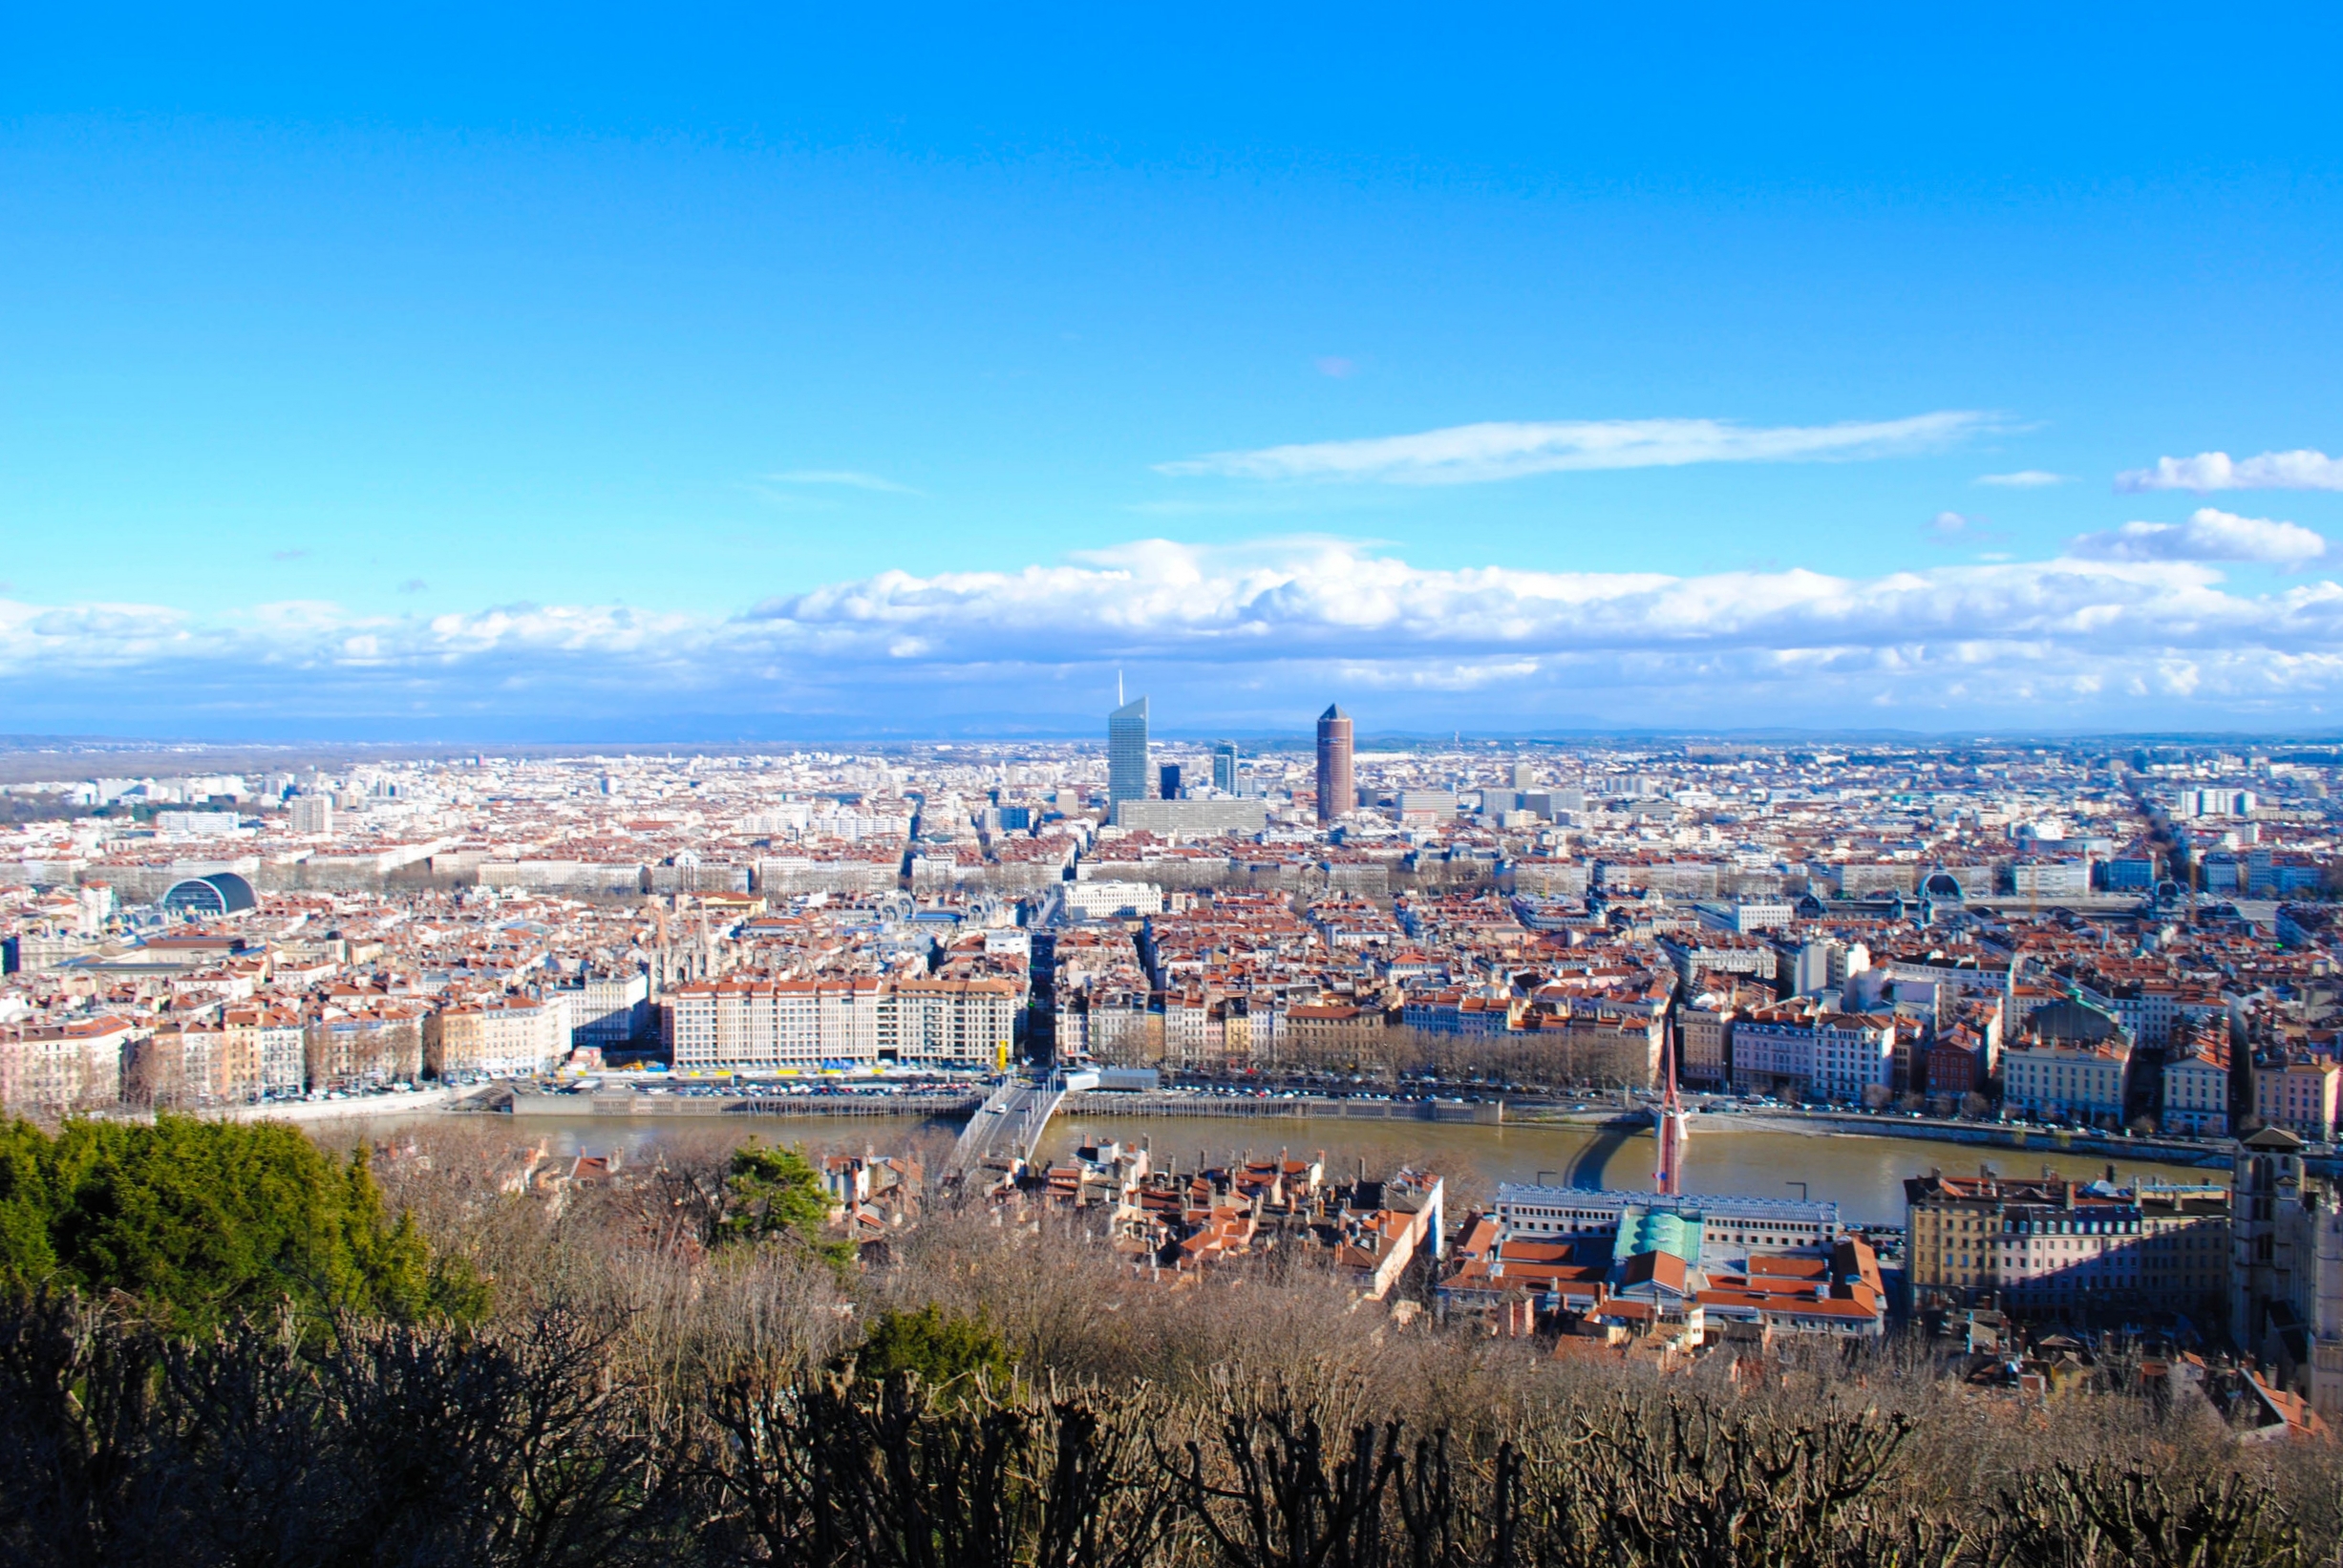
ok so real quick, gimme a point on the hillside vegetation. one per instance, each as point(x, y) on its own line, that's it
point(673, 1371)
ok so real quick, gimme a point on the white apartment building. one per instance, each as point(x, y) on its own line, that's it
point(1188, 1033)
point(1794, 1050)
point(607, 1010)
point(2148, 1009)
point(2216, 802)
point(55, 1069)
point(564, 876)
point(777, 817)
point(746, 1024)
point(196, 824)
point(755, 1025)
point(2051, 878)
point(174, 1066)
point(1968, 974)
point(1100, 898)
point(2300, 1096)
point(506, 1037)
point(245, 1055)
point(1747, 915)
point(1193, 818)
point(267, 1051)
point(966, 1024)
point(1114, 1025)
point(2197, 1092)
point(2066, 1078)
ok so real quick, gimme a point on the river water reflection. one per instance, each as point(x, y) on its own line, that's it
point(1865, 1175)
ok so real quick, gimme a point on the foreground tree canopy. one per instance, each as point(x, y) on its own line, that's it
point(203, 1221)
point(774, 1195)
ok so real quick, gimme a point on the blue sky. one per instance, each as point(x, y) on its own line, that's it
point(731, 373)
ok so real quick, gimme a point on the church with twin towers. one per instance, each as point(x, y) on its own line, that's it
point(1143, 800)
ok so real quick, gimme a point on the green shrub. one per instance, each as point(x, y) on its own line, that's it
point(937, 1347)
point(205, 1220)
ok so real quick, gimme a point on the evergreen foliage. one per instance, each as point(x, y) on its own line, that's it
point(937, 1347)
point(205, 1220)
point(773, 1193)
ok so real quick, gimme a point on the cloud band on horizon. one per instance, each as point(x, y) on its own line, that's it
point(1252, 632)
point(1479, 454)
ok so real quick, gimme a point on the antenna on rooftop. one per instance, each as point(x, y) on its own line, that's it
point(1119, 688)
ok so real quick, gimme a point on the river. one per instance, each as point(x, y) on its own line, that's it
point(1865, 1175)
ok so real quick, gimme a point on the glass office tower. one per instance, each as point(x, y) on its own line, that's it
point(1126, 753)
point(1224, 767)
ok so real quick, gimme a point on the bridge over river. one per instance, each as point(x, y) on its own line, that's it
point(1008, 1127)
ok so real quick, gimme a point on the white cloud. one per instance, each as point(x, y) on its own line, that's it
point(1508, 449)
point(1959, 528)
point(2210, 471)
point(1253, 634)
point(2208, 535)
point(2025, 478)
point(845, 476)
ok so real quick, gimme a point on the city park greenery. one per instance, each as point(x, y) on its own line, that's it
point(221, 1345)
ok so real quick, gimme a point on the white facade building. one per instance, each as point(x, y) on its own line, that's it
point(1101, 898)
point(2197, 1095)
point(2052, 878)
point(1838, 1056)
point(2062, 1078)
point(607, 1010)
point(751, 1025)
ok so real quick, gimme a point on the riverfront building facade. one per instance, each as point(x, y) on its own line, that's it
point(2056, 1247)
point(745, 1024)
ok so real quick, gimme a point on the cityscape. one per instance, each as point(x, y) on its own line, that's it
point(794, 787)
point(2127, 951)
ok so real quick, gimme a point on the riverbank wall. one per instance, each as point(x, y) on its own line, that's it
point(628, 1102)
point(1473, 1113)
point(1984, 1135)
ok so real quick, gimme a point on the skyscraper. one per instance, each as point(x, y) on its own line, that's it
point(1167, 779)
point(1337, 783)
point(1224, 767)
point(1126, 754)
